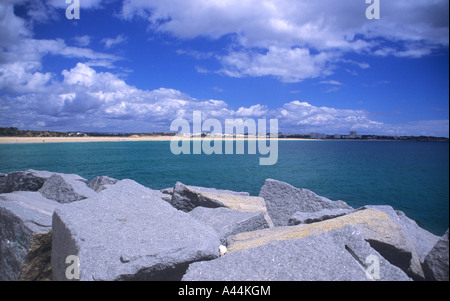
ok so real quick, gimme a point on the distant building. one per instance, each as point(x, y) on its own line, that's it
point(337, 136)
point(317, 136)
point(351, 135)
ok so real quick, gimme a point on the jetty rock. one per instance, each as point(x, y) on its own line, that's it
point(121, 230)
point(186, 198)
point(27, 203)
point(336, 255)
point(127, 233)
point(383, 231)
point(25, 236)
point(227, 222)
point(436, 263)
point(414, 246)
point(66, 188)
point(318, 216)
point(63, 188)
point(284, 200)
point(28, 180)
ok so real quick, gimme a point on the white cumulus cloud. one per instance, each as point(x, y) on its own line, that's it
point(86, 99)
point(298, 39)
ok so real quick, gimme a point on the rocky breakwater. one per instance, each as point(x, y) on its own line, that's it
point(121, 230)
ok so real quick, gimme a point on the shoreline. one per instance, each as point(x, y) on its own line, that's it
point(23, 140)
point(32, 140)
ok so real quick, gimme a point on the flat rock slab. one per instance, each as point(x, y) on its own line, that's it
point(227, 222)
point(337, 255)
point(186, 198)
point(371, 219)
point(25, 236)
point(318, 216)
point(283, 200)
point(127, 233)
point(378, 228)
point(217, 191)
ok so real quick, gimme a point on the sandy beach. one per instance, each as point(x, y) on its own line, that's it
point(9, 140)
point(5, 140)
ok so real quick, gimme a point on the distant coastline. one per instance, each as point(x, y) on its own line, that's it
point(14, 135)
point(9, 140)
point(24, 140)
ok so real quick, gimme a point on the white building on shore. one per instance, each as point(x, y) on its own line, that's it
point(318, 136)
point(351, 135)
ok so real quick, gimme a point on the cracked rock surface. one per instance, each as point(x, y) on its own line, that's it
point(126, 232)
point(337, 255)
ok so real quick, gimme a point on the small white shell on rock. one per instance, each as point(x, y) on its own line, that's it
point(222, 250)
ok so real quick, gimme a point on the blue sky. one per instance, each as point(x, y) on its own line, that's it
point(136, 65)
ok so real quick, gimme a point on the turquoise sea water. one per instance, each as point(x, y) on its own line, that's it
point(409, 176)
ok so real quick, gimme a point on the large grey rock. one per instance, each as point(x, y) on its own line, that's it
point(186, 198)
point(436, 263)
point(127, 233)
point(314, 217)
point(422, 240)
point(228, 222)
point(409, 252)
point(29, 180)
point(384, 233)
point(25, 236)
point(373, 223)
point(283, 200)
point(337, 255)
point(66, 188)
point(100, 183)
